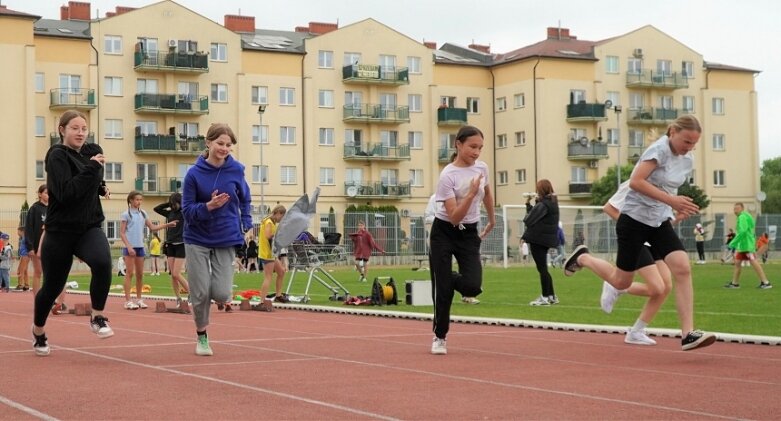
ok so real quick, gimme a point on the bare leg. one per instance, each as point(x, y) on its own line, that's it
point(678, 262)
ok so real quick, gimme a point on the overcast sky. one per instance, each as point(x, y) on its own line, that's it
point(739, 33)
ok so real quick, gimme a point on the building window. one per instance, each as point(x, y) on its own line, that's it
point(326, 137)
point(719, 179)
point(501, 178)
point(287, 96)
point(611, 64)
point(352, 137)
point(693, 178)
point(636, 138)
point(634, 66)
point(501, 104)
point(287, 175)
point(146, 127)
point(664, 67)
point(327, 176)
point(577, 175)
point(614, 97)
point(40, 126)
point(260, 174)
point(325, 59)
point(287, 135)
point(260, 94)
point(112, 129)
point(353, 176)
point(718, 106)
point(413, 63)
point(472, 105)
point(415, 103)
point(219, 52)
point(666, 102)
point(687, 69)
point(519, 100)
point(612, 137)
point(415, 140)
point(352, 58)
point(112, 171)
point(520, 176)
point(636, 101)
point(113, 86)
point(112, 44)
point(577, 96)
point(146, 86)
point(112, 230)
point(39, 83)
point(389, 177)
point(389, 138)
point(501, 141)
point(219, 92)
point(718, 142)
point(416, 178)
point(325, 99)
point(520, 138)
point(688, 104)
point(259, 134)
point(39, 170)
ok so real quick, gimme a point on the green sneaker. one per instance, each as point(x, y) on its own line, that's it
point(202, 347)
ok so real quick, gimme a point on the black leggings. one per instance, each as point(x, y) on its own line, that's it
point(57, 253)
point(540, 256)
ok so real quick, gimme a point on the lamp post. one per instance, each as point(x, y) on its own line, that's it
point(617, 109)
point(261, 110)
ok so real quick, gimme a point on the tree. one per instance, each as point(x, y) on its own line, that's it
point(602, 189)
point(770, 183)
point(698, 196)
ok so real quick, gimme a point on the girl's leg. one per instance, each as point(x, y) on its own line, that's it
point(174, 281)
point(130, 269)
point(442, 285)
point(616, 277)
point(653, 274)
point(57, 259)
point(94, 250)
point(279, 268)
point(200, 278)
point(221, 283)
point(268, 272)
point(540, 254)
point(37, 272)
point(139, 269)
point(678, 262)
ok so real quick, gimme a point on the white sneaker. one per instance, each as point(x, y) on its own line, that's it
point(540, 301)
point(439, 346)
point(202, 347)
point(609, 296)
point(638, 338)
point(130, 305)
point(100, 327)
point(470, 300)
point(141, 304)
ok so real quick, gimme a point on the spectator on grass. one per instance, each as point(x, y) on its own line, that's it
point(173, 248)
point(744, 245)
point(542, 223)
point(271, 264)
point(699, 239)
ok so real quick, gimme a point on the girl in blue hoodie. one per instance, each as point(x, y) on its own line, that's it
point(216, 209)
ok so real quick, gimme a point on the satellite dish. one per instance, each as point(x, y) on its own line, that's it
point(352, 191)
point(761, 196)
point(584, 141)
point(608, 104)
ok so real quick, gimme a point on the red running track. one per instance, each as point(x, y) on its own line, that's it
point(312, 365)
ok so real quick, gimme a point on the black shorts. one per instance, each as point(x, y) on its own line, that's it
point(631, 236)
point(175, 250)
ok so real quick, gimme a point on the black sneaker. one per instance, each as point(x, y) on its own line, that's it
point(571, 264)
point(697, 339)
point(730, 285)
point(40, 345)
point(99, 326)
point(765, 285)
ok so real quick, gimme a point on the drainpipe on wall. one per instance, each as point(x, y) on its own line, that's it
point(303, 122)
point(536, 140)
point(97, 86)
point(493, 129)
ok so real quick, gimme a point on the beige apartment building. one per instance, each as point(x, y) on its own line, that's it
point(362, 111)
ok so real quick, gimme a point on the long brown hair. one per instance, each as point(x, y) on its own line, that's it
point(65, 118)
point(545, 189)
point(216, 130)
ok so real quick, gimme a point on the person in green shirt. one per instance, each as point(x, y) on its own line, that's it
point(744, 245)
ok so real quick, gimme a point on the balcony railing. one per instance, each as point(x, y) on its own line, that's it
point(652, 79)
point(54, 138)
point(377, 190)
point(161, 186)
point(444, 154)
point(587, 150)
point(634, 153)
point(651, 116)
point(375, 74)
point(580, 189)
point(171, 62)
point(169, 144)
point(451, 116)
point(376, 152)
point(171, 104)
point(67, 98)
point(375, 113)
point(586, 112)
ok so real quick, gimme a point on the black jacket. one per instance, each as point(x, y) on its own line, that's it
point(33, 225)
point(173, 235)
point(74, 183)
point(542, 223)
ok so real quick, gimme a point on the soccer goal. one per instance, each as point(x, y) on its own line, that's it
point(582, 225)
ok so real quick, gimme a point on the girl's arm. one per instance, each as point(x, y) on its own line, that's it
point(157, 227)
point(123, 234)
point(457, 211)
point(488, 204)
point(639, 183)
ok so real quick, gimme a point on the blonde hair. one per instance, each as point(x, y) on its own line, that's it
point(685, 122)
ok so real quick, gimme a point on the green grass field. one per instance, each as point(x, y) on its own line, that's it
point(747, 310)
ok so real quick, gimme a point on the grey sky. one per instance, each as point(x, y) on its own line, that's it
point(738, 33)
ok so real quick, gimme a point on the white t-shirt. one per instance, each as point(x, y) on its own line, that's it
point(454, 182)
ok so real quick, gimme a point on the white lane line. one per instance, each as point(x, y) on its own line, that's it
point(26, 409)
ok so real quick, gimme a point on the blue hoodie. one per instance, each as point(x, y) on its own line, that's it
point(222, 227)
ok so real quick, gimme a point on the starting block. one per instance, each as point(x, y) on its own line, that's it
point(81, 309)
point(160, 307)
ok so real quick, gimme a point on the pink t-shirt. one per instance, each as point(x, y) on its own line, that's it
point(454, 182)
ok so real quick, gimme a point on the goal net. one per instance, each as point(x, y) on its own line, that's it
point(582, 225)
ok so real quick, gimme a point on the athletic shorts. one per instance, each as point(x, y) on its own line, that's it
point(743, 255)
point(140, 252)
point(175, 250)
point(631, 236)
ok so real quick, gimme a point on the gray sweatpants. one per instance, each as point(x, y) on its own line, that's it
point(210, 275)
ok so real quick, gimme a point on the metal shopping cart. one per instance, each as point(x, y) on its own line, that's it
point(310, 258)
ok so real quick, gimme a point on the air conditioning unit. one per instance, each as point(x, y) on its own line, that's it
point(405, 213)
point(593, 163)
point(638, 53)
point(172, 43)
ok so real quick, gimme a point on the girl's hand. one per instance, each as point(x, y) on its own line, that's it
point(475, 185)
point(100, 158)
point(487, 230)
point(218, 200)
point(131, 252)
point(684, 205)
point(172, 223)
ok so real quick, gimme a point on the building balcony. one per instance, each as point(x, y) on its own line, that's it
point(451, 117)
point(584, 149)
point(377, 190)
point(634, 153)
point(657, 80)
point(444, 154)
point(374, 74)
point(161, 186)
point(375, 113)
point(71, 98)
point(54, 138)
point(376, 152)
point(585, 112)
point(171, 104)
point(580, 189)
point(163, 144)
point(651, 116)
point(160, 61)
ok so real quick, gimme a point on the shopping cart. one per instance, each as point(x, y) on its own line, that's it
point(310, 258)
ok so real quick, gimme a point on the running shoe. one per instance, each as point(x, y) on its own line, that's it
point(697, 339)
point(439, 346)
point(100, 327)
point(40, 345)
point(202, 346)
point(571, 264)
point(635, 337)
point(540, 301)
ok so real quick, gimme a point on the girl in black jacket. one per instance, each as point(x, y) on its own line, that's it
point(173, 247)
point(542, 222)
